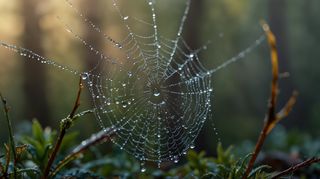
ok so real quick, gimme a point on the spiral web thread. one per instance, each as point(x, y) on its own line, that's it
point(157, 94)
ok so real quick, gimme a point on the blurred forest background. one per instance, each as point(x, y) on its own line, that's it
point(241, 90)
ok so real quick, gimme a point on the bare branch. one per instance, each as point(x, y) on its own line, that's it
point(65, 124)
point(272, 118)
point(297, 167)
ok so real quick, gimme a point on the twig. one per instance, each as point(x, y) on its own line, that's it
point(96, 139)
point(77, 102)
point(272, 118)
point(8, 156)
point(65, 124)
point(297, 167)
point(12, 142)
point(285, 111)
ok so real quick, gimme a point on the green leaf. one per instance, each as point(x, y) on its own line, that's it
point(224, 156)
point(258, 169)
point(39, 148)
point(37, 131)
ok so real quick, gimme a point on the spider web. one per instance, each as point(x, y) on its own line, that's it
point(157, 94)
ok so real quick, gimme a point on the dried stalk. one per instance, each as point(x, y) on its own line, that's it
point(12, 142)
point(297, 167)
point(272, 118)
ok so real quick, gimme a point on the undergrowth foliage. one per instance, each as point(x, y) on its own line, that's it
point(46, 153)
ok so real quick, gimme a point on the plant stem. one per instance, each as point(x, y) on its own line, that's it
point(297, 167)
point(272, 118)
point(96, 139)
point(65, 124)
point(12, 142)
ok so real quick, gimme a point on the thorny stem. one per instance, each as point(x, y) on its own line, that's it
point(12, 143)
point(272, 118)
point(297, 167)
point(65, 124)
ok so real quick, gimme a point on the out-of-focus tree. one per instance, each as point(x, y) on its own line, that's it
point(91, 36)
point(304, 39)
point(35, 77)
point(312, 27)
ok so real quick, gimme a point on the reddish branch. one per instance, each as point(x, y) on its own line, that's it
point(96, 139)
point(64, 126)
point(272, 118)
point(297, 167)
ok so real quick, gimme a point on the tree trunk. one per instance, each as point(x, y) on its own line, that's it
point(92, 36)
point(35, 81)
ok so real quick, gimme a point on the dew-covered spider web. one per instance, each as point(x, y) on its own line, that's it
point(156, 93)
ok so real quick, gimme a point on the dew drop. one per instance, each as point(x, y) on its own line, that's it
point(143, 169)
point(156, 94)
point(175, 159)
point(84, 76)
point(125, 18)
point(124, 104)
